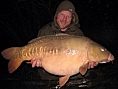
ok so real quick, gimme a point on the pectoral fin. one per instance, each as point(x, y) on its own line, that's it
point(63, 80)
point(83, 69)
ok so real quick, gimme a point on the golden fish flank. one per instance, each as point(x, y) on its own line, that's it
point(25, 51)
point(59, 54)
point(33, 50)
point(72, 52)
point(47, 50)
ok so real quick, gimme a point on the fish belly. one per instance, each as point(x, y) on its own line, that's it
point(63, 65)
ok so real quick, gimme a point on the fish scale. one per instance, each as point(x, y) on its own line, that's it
point(61, 54)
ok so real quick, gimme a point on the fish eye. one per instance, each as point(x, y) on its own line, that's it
point(102, 49)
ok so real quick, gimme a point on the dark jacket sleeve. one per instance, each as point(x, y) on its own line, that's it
point(79, 31)
point(46, 30)
point(75, 30)
point(43, 31)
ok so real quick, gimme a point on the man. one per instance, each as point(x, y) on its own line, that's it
point(65, 21)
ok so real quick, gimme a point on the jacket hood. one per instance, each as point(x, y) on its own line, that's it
point(67, 6)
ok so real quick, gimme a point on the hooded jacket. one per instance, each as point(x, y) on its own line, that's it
point(52, 27)
point(67, 6)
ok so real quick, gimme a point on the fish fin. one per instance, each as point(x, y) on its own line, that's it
point(59, 34)
point(14, 64)
point(83, 69)
point(63, 80)
point(9, 53)
point(34, 40)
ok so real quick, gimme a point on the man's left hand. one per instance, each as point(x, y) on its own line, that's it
point(92, 64)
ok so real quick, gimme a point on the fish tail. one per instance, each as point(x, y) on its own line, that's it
point(14, 62)
point(9, 53)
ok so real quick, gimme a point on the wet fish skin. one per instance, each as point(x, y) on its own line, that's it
point(63, 55)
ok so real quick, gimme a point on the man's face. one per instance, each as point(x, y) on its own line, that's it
point(64, 19)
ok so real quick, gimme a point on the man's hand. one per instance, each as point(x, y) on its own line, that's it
point(35, 62)
point(92, 64)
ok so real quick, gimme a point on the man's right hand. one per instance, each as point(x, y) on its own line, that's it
point(35, 62)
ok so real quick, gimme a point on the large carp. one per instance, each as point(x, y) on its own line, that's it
point(63, 55)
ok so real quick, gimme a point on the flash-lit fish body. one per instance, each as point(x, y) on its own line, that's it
point(63, 55)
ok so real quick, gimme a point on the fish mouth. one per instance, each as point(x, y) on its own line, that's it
point(110, 58)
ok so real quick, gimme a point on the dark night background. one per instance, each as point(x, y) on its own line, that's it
point(20, 21)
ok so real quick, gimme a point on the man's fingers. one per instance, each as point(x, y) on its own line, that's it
point(32, 60)
point(92, 64)
point(38, 64)
point(89, 65)
point(96, 63)
point(33, 64)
